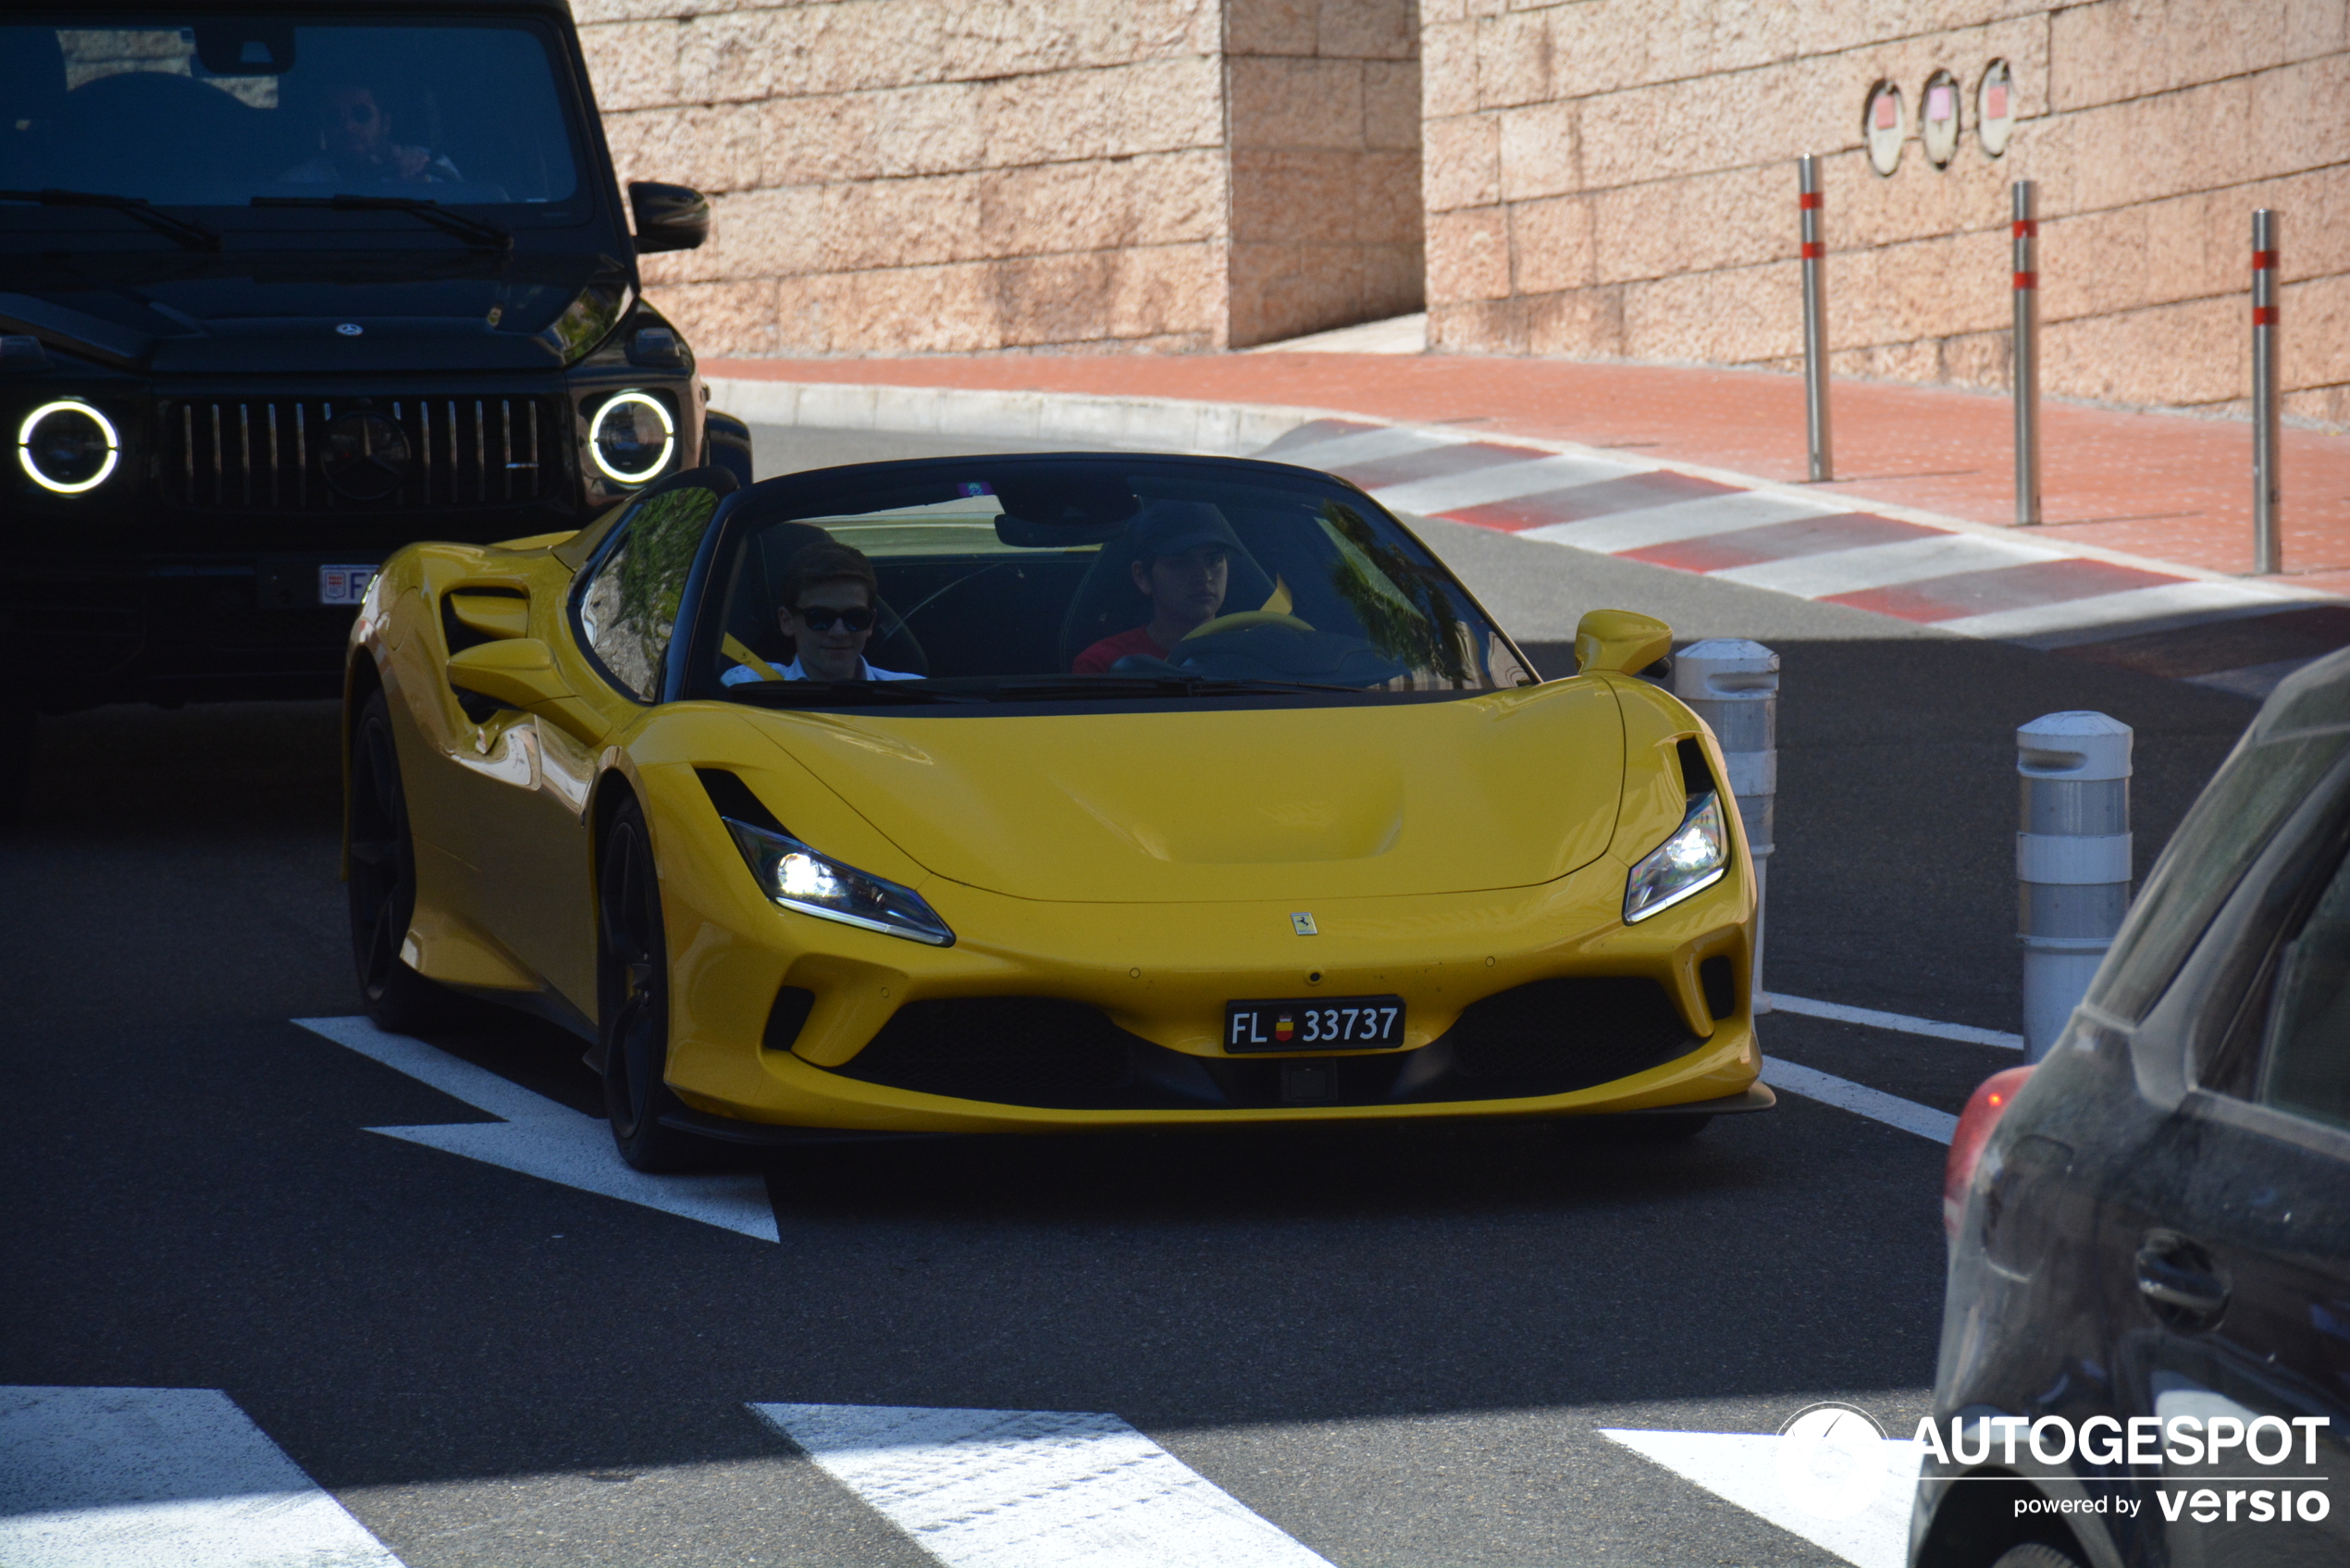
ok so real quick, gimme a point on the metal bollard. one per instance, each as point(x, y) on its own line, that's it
point(2071, 861)
point(2026, 354)
point(1815, 318)
point(2268, 543)
point(1733, 685)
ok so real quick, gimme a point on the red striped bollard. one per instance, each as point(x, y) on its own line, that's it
point(2027, 354)
point(2267, 541)
point(1815, 319)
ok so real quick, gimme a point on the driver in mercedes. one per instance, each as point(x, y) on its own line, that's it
point(1182, 564)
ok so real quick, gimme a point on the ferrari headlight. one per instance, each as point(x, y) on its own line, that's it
point(799, 878)
point(67, 447)
point(631, 437)
point(1693, 859)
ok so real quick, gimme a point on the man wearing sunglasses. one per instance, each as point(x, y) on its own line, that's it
point(827, 610)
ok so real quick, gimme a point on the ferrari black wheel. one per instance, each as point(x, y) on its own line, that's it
point(632, 997)
point(383, 881)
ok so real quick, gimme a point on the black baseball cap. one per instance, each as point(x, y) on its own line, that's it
point(1172, 527)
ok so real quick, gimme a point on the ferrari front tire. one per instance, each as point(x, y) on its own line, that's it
point(632, 1000)
point(383, 881)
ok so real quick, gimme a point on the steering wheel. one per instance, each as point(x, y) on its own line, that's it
point(1241, 619)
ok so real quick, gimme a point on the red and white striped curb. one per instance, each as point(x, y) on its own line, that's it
point(1966, 580)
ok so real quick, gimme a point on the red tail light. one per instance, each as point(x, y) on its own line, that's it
point(1984, 1109)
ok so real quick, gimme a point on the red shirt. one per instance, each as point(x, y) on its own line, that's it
point(1097, 660)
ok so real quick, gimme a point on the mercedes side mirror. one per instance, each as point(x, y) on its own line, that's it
point(669, 217)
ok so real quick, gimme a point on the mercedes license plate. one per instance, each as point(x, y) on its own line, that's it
point(1314, 1023)
point(345, 584)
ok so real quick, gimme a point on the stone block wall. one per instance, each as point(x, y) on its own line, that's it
point(952, 175)
point(1323, 112)
point(1615, 179)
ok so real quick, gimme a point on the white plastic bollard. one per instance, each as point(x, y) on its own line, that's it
point(2071, 861)
point(1733, 685)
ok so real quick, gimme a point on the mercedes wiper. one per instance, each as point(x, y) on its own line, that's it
point(195, 236)
point(838, 694)
point(1083, 688)
point(480, 233)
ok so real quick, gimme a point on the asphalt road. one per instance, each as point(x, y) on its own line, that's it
point(1397, 1346)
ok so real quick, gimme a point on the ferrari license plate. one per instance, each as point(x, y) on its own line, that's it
point(1316, 1023)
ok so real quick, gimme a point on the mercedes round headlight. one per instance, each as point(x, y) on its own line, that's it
point(67, 447)
point(631, 437)
point(799, 878)
point(1694, 859)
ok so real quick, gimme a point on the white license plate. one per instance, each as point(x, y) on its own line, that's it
point(344, 585)
point(1316, 1023)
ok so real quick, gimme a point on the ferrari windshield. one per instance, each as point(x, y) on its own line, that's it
point(1081, 579)
point(216, 110)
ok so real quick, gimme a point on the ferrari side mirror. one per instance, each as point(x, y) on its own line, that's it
point(1623, 642)
point(669, 217)
point(514, 672)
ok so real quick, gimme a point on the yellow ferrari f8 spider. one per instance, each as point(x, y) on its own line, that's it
point(1026, 793)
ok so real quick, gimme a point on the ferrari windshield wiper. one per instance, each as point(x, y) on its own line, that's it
point(1079, 688)
point(195, 236)
point(480, 233)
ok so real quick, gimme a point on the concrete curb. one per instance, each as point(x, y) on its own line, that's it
point(1243, 429)
point(1160, 424)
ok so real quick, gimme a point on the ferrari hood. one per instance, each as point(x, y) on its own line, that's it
point(1505, 790)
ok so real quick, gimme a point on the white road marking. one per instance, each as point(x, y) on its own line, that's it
point(2116, 611)
point(1859, 1099)
point(1883, 566)
point(1033, 1488)
point(1903, 1022)
point(1362, 446)
point(160, 1479)
point(543, 1139)
point(1742, 1468)
point(1503, 481)
point(1621, 531)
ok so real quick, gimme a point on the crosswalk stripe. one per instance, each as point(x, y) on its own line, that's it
point(1033, 1488)
point(160, 1479)
point(1743, 1468)
point(552, 1141)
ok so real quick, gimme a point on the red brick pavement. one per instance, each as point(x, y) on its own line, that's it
point(2161, 485)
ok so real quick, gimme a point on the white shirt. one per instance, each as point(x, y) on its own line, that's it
point(743, 674)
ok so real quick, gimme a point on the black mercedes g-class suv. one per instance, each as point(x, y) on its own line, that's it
point(282, 286)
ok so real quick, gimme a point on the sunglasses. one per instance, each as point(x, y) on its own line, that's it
point(820, 620)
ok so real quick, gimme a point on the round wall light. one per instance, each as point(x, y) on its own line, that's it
point(1883, 127)
point(1994, 108)
point(1938, 119)
point(631, 437)
point(67, 447)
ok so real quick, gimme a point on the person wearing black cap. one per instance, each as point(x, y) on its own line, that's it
point(1183, 563)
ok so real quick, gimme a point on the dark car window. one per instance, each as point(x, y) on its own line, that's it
point(214, 111)
point(628, 605)
point(1019, 577)
point(2306, 1062)
point(2297, 738)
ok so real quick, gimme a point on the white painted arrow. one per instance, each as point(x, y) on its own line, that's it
point(1033, 1488)
point(1746, 1469)
point(546, 1139)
